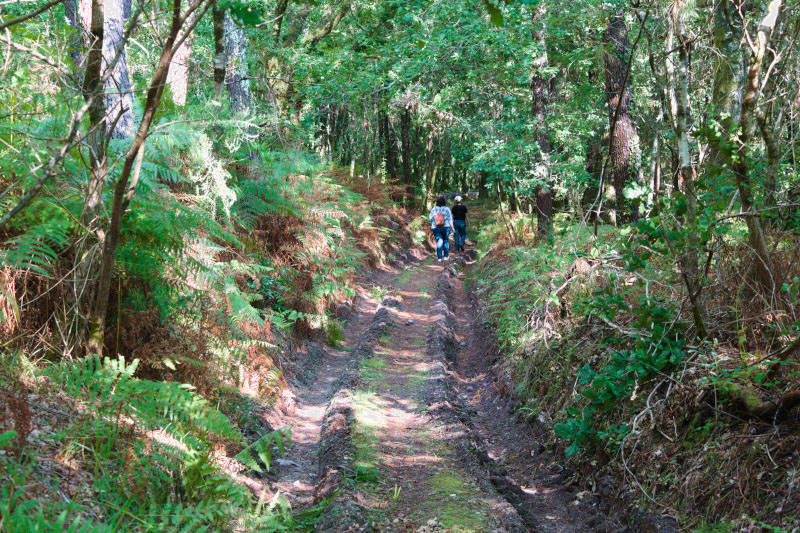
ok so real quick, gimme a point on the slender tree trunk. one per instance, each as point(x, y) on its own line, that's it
point(763, 263)
point(97, 116)
point(278, 15)
point(661, 97)
point(655, 163)
point(689, 266)
point(729, 73)
point(178, 75)
point(388, 143)
point(540, 92)
point(78, 21)
point(622, 130)
point(118, 100)
point(129, 174)
point(236, 72)
point(118, 92)
point(405, 139)
point(772, 130)
point(219, 50)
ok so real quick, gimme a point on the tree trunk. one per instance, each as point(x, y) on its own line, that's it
point(772, 130)
point(178, 75)
point(729, 74)
point(540, 93)
point(97, 116)
point(236, 73)
point(405, 139)
point(689, 266)
point(763, 263)
point(78, 21)
point(219, 50)
point(129, 174)
point(118, 93)
point(622, 131)
point(388, 143)
point(118, 99)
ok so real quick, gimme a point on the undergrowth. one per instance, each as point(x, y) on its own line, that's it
point(221, 267)
point(603, 351)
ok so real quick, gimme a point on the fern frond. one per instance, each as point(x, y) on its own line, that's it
point(263, 448)
point(37, 249)
point(256, 198)
point(171, 406)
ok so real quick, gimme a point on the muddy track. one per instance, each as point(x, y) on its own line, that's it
point(404, 429)
point(514, 460)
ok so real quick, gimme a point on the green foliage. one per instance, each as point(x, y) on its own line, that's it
point(20, 514)
point(520, 292)
point(334, 334)
point(185, 415)
point(38, 248)
point(262, 450)
point(608, 387)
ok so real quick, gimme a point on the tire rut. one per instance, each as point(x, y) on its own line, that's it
point(409, 404)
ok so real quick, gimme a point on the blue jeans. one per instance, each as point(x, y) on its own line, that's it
point(460, 236)
point(442, 236)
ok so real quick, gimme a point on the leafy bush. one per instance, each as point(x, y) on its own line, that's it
point(653, 353)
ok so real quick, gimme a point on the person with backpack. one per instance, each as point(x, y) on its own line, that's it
point(441, 223)
point(459, 224)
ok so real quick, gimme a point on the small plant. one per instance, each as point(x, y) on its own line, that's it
point(606, 387)
point(365, 474)
point(378, 292)
point(263, 449)
point(334, 334)
point(396, 493)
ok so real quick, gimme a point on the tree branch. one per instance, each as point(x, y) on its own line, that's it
point(323, 30)
point(30, 15)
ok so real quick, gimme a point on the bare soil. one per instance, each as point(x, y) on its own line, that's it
point(425, 438)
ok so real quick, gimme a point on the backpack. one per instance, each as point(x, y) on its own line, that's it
point(438, 219)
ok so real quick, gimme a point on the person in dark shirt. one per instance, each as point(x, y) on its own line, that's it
point(459, 224)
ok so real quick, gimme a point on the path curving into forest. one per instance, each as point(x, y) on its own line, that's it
point(405, 428)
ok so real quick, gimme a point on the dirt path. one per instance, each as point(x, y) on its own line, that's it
point(423, 441)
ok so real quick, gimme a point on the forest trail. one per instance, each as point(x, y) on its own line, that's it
point(432, 444)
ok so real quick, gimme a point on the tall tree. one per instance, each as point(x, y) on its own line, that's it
point(118, 91)
point(117, 86)
point(178, 75)
point(757, 45)
point(219, 49)
point(237, 78)
point(179, 29)
point(280, 74)
point(540, 93)
point(388, 142)
point(621, 128)
point(405, 141)
point(687, 173)
point(729, 67)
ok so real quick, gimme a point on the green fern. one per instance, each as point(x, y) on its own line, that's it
point(256, 198)
point(186, 518)
point(262, 449)
point(37, 249)
point(173, 407)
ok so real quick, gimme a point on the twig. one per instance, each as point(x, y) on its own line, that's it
point(30, 15)
point(35, 54)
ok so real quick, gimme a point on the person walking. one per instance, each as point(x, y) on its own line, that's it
point(441, 223)
point(459, 224)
